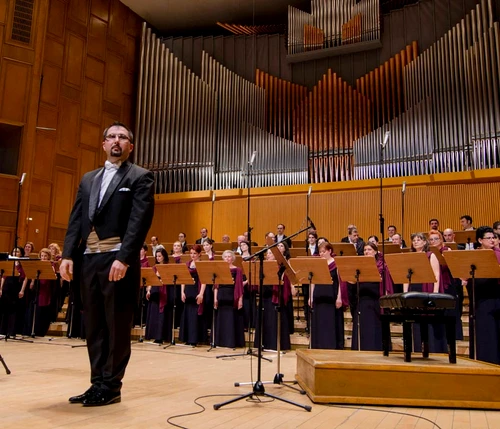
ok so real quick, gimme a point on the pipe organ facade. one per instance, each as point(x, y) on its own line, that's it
point(441, 107)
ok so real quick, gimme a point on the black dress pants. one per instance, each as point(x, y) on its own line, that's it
point(108, 309)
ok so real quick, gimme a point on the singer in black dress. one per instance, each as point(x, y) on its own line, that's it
point(326, 302)
point(228, 300)
point(192, 329)
point(369, 308)
point(486, 305)
point(437, 334)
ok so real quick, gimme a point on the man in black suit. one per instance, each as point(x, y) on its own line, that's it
point(109, 222)
point(280, 235)
point(204, 236)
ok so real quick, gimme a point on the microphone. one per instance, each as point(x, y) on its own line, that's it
point(386, 138)
point(309, 192)
point(213, 197)
point(22, 179)
point(311, 223)
point(404, 187)
point(252, 159)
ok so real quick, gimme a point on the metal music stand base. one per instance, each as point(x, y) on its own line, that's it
point(258, 390)
point(7, 370)
point(249, 352)
point(14, 338)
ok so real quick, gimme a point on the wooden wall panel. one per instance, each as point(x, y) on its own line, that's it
point(6, 239)
point(88, 161)
point(94, 69)
point(117, 21)
point(97, 38)
point(333, 208)
point(92, 101)
point(69, 49)
point(37, 227)
point(40, 191)
point(79, 11)
point(74, 60)
point(51, 85)
point(15, 79)
point(113, 83)
point(3, 11)
point(68, 128)
point(54, 52)
point(45, 146)
point(8, 191)
point(57, 18)
point(63, 198)
point(90, 135)
point(100, 8)
point(47, 116)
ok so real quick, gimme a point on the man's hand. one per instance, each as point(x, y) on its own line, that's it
point(117, 271)
point(66, 269)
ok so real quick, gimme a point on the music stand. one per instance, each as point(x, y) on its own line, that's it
point(465, 237)
point(452, 245)
point(38, 270)
point(413, 267)
point(297, 251)
point(311, 270)
point(344, 249)
point(258, 387)
point(473, 264)
point(357, 269)
point(252, 275)
point(149, 278)
point(390, 248)
point(173, 274)
point(283, 263)
point(211, 272)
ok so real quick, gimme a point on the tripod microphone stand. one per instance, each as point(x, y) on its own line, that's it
point(258, 387)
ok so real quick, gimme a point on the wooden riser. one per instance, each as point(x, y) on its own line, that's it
point(331, 376)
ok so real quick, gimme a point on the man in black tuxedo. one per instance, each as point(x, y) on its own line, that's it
point(204, 236)
point(280, 235)
point(109, 222)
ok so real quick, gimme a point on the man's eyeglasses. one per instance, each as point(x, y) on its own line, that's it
point(488, 238)
point(121, 137)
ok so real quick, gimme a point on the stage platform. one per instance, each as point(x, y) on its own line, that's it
point(351, 377)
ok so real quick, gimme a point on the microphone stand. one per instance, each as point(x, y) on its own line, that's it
point(21, 181)
point(258, 387)
point(212, 217)
point(381, 214)
point(403, 192)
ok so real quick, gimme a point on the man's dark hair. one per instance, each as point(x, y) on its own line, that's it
point(392, 226)
point(432, 220)
point(119, 124)
point(145, 247)
point(496, 224)
point(467, 217)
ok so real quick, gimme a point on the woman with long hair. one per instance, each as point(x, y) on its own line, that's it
point(228, 300)
point(325, 303)
point(437, 333)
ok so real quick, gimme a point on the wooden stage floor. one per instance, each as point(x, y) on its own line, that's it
point(162, 383)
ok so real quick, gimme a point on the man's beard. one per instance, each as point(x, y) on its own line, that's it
point(116, 151)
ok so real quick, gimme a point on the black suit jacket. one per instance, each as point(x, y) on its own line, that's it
point(126, 211)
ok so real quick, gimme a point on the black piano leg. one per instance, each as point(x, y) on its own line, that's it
point(407, 341)
point(386, 336)
point(451, 338)
point(424, 332)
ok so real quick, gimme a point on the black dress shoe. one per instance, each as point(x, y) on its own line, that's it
point(102, 397)
point(80, 398)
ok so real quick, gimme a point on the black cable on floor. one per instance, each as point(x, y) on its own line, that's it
point(384, 411)
point(251, 399)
